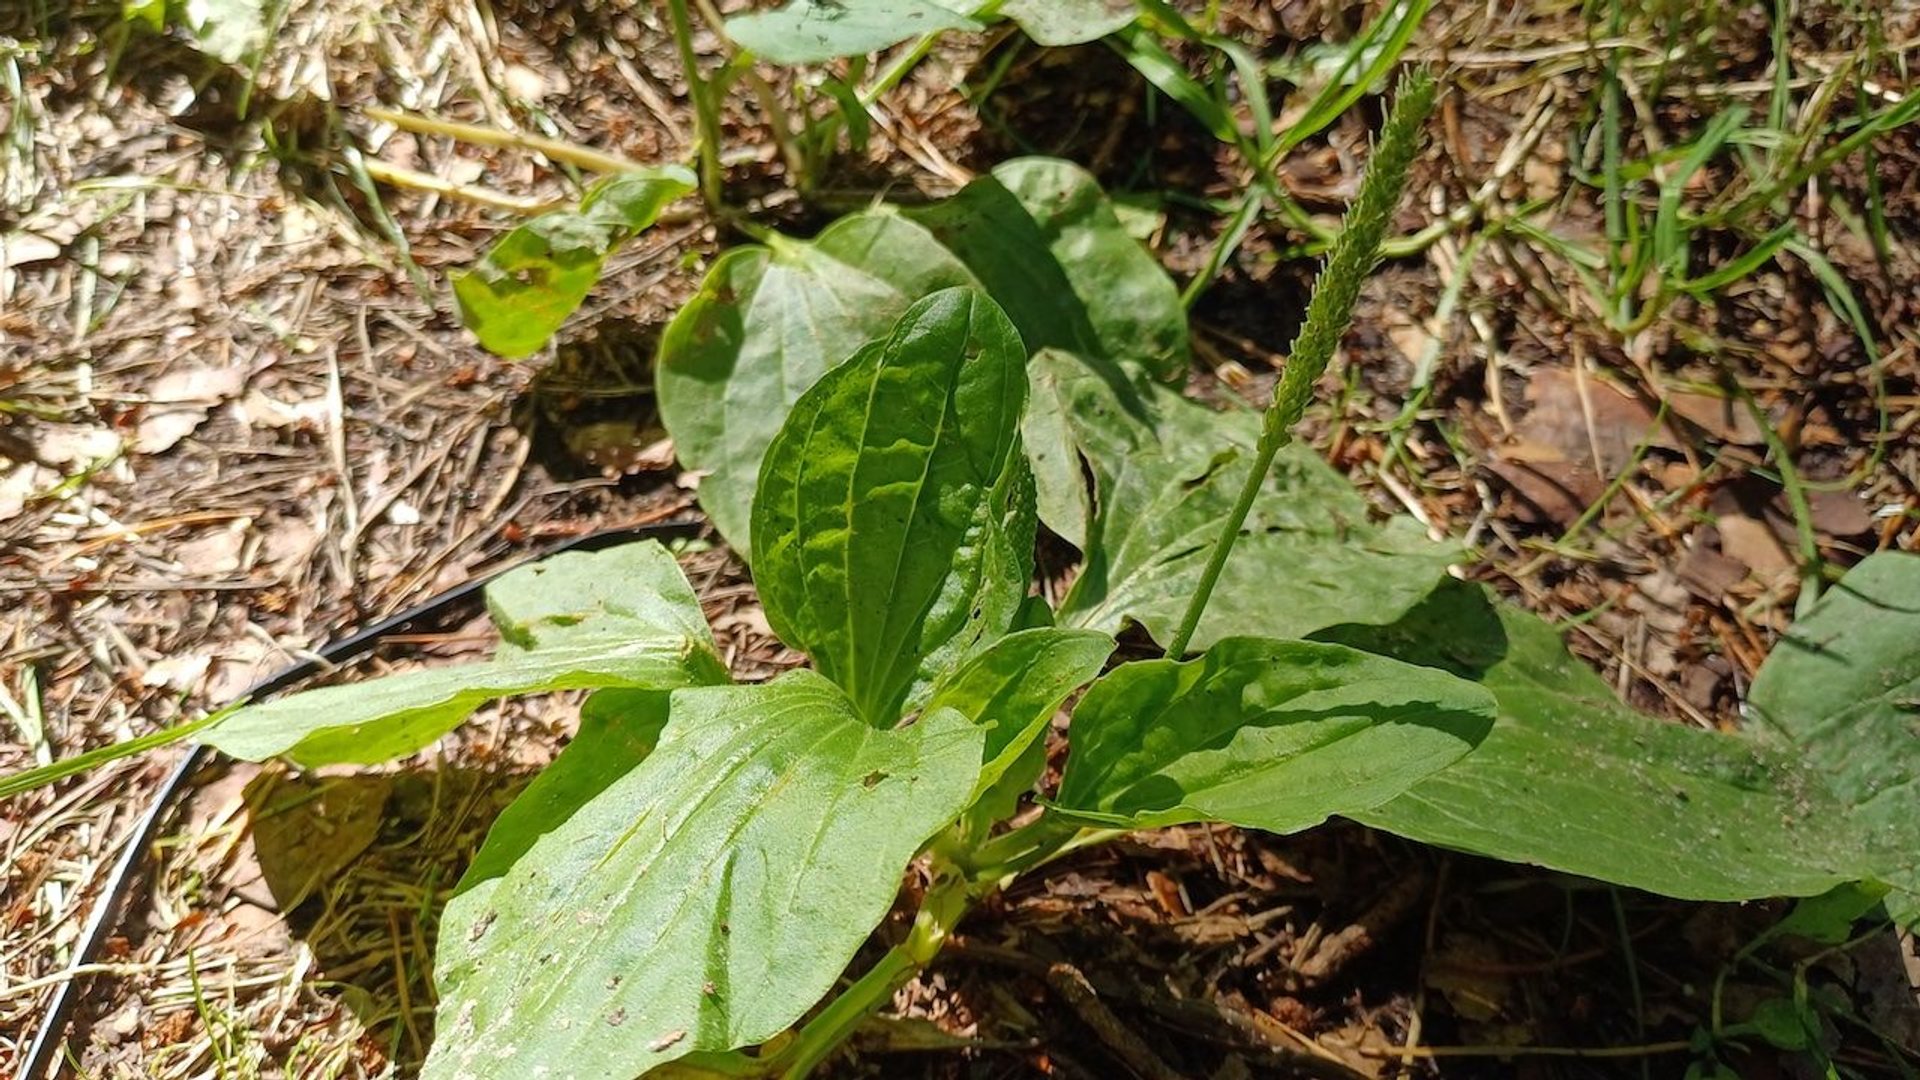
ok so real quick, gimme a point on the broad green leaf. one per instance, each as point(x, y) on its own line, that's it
point(1843, 688)
point(766, 324)
point(810, 31)
point(618, 729)
point(1572, 779)
point(894, 522)
point(706, 899)
point(1068, 22)
point(1013, 688)
point(1265, 734)
point(623, 617)
point(1165, 473)
point(535, 276)
point(1046, 244)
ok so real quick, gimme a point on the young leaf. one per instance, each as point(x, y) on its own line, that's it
point(766, 324)
point(1828, 919)
point(1785, 1023)
point(536, 275)
point(1307, 556)
point(618, 729)
point(1013, 688)
point(1045, 243)
point(706, 899)
point(893, 527)
point(1843, 688)
point(621, 617)
point(1572, 779)
point(1274, 735)
point(811, 31)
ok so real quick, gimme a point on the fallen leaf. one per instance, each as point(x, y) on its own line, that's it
point(1661, 599)
point(1837, 514)
point(178, 403)
point(216, 553)
point(1755, 544)
point(1466, 970)
point(1551, 492)
point(22, 483)
point(177, 673)
point(25, 248)
point(1706, 571)
point(307, 829)
point(1724, 419)
point(1756, 523)
point(287, 543)
point(73, 445)
point(239, 665)
point(1701, 682)
point(1558, 419)
point(259, 410)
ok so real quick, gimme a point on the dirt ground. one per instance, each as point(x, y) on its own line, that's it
point(239, 419)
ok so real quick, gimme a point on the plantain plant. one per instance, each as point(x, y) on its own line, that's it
point(885, 416)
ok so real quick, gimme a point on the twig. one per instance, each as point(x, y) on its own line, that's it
point(415, 180)
point(1673, 1046)
point(572, 153)
point(1126, 1044)
point(1336, 950)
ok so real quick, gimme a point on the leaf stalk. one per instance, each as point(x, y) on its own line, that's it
point(940, 911)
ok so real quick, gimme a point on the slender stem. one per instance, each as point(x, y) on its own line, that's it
point(585, 157)
point(1328, 314)
point(1038, 842)
point(706, 116)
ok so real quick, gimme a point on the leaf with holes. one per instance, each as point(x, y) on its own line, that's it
point(706, 899)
